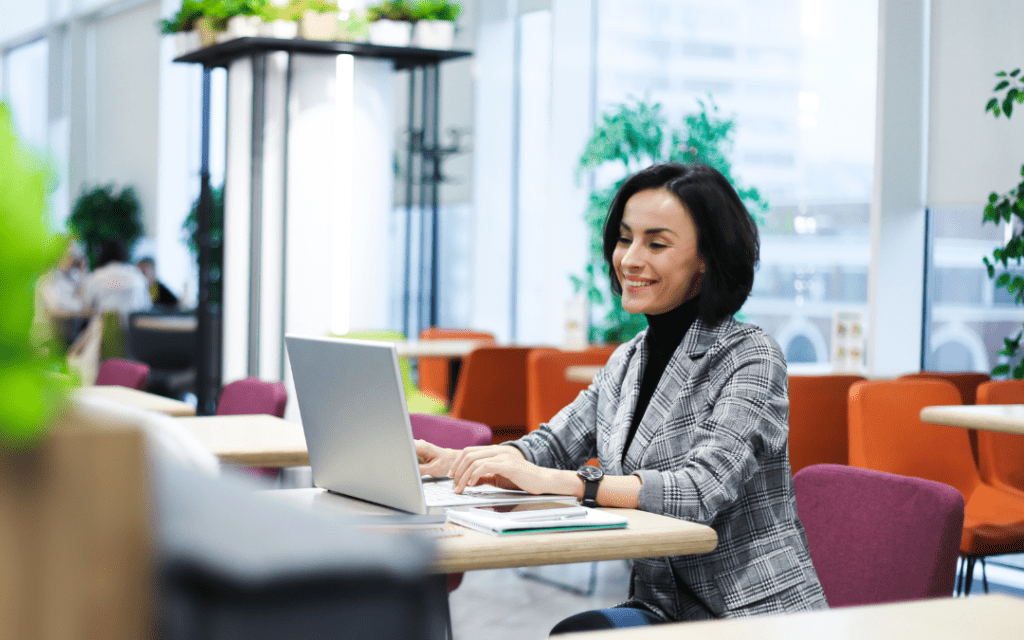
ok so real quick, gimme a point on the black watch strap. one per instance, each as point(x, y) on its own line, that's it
point(591, 477)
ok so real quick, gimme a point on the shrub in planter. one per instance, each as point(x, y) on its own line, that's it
point(391, 23)
point(319, 20)
point(100, 214)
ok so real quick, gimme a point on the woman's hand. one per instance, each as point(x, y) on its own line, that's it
point(502, 466)
point(434, 460)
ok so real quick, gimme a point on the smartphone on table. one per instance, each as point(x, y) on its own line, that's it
point(532, 511)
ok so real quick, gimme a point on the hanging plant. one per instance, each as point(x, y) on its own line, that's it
point(632, 136)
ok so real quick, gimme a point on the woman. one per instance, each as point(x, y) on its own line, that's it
point(689, 419)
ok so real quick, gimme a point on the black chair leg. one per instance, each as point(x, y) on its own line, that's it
point(984, 578)
point(961, 563)
point(969, 578)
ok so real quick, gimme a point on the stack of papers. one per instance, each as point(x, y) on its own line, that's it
point(501, 524)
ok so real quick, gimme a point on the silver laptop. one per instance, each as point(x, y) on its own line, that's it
point(352, 402)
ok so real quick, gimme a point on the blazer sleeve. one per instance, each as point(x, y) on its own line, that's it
point(746, 386)
point(569, 439)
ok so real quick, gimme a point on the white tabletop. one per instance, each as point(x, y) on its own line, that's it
point(1007, 418)
point(139, 399)
point(581, 373)
point(442, 348)
point(992, 617)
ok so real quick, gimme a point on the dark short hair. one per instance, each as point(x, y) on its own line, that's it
point(727, 236)
point(112, 250)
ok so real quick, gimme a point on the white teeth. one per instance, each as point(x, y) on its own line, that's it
point(637, 283)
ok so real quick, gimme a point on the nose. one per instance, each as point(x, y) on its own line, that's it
point(633, 258)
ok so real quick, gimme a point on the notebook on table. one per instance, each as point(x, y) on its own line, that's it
point(352, 403)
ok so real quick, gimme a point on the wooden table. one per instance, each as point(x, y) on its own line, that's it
point(139, 399)
point(581, 373)
point(1007, 418)
point(166, 323)
point(443, 348)
point(992, 617)
point(255, 441)
point(646, 535)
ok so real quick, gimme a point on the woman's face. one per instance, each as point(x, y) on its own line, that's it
point(656, 258)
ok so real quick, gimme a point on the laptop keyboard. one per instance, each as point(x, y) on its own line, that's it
point(441, 493)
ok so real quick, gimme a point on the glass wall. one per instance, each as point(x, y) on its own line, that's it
point(967, 316)
point(798, 78)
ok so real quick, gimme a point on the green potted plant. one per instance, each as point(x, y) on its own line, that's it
point(32, 386)
point(319, 20)
point(280, 21)
point(435, 23)
point(354, 28)
point(100, 214)
point(191, 229)
point(182, 26)
point(633, 136)
point(244, 20)
point(391, 23)
point(1009, 209)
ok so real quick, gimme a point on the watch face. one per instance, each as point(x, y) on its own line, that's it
point(590, 472)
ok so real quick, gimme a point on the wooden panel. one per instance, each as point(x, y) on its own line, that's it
point(75, 548)
point(252, 440)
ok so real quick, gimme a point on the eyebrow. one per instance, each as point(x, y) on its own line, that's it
point(649, 232)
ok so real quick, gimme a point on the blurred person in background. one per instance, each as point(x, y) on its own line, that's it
point(158, 293)
point(116, 284)
point(60, 301)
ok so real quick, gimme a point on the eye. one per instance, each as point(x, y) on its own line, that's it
point(658, 245)
point(624, 240)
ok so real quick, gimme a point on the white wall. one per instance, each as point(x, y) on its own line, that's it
point(971, 153)
point(123, 123)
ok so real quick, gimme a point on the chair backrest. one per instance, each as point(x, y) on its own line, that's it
point(435, 373)
point(492, 390)
point(448, 432)
point(886, 432)
point(878, 537)
point(818, 419)
point(1001, 455)
point(252, 396)
point(171, 349)
point(124, 373)
point(966, 382)
point(547, 390)
point(113, 343)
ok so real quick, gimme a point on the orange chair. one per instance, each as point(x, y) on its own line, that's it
point(435, 373)
point(966, 382)
point(492, 390)
point(886, 434)
point(1001, 455)
point(817, 419)
point(547, 390)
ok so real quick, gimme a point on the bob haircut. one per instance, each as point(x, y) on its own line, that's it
point(727, 236)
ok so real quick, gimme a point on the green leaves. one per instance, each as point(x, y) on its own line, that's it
point(632, 136)
point(1014, 88)
point(30, 388)
point(101, 214)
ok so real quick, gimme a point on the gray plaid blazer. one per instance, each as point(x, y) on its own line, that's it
point(711, 448)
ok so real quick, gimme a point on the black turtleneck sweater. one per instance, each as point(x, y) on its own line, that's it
point(664, 334)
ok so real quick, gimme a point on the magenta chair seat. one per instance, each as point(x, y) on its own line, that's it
point(252, 396)
point(878, 537)
point(450, 433)
point(124, 373)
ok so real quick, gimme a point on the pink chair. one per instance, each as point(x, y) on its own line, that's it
point(252, 396)
point(125, 373)
point(450, 433)
point(878, 537)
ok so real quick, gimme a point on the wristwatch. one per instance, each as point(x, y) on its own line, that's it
point(591, 477)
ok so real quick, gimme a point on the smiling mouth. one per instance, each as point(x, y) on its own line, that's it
point(637, 284)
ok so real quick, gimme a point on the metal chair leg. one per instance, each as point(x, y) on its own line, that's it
point(960, 564)
point(589, 591)
point(969, 578)
point(984, 578)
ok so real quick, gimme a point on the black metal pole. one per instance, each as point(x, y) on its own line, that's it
point(410, 150)
point(204, 332)
point(435, 185)
point(426, 145)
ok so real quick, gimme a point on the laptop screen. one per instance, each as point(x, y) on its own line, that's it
point(352, 402)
